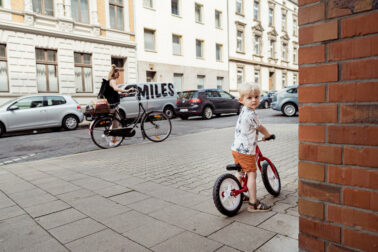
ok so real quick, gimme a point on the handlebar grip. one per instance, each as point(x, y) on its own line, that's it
point(272, 137)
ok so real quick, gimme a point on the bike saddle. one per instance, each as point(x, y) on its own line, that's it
point(233, 167)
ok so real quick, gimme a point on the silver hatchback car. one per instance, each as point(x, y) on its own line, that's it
point(286, 100)
point(40, 111)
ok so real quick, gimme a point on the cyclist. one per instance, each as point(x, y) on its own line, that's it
point(244, 145)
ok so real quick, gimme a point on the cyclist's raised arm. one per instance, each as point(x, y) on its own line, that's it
point(113, 84)
point(264, 131)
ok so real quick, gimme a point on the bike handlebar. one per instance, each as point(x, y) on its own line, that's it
point(272, 137)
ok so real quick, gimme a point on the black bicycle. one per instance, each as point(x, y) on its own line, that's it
point(109, 130)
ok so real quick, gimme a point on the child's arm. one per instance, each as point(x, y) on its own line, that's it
point(264, 131)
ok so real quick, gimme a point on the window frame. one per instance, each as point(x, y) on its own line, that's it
point(149, 7)
point(284, 77)
point(220, 19)
point(117, 5)
point(82, 65)
point(241, 7)
point(79, 6)
point(241, 40)
point(220, 52)
point(242, 75)
point(144, 40)
point(256, 18)
point(295, 55)
point(285, 51)
point(201, 76)
point(258, 76)
point(202, 49)
point(295, 79)
point(178, 8)
point(295, 26)
point(180, 41)
point(4, 59)
point(220, 78)
point(47, 63)
point(258, 43)
point(200, 14)
point(272, 49)
point(272, 24)
point(43, 11)
point(284, 20)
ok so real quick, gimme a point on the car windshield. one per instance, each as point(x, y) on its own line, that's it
point(188, 95)
point(7, 103)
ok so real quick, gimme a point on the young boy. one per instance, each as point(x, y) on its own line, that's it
point(244, 146)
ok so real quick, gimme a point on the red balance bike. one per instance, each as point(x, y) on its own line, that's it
point(227, 191)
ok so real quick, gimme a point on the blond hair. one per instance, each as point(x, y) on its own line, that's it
point(113, 70)
point(247, 88)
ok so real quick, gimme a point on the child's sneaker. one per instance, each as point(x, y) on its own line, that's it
point(258, 207)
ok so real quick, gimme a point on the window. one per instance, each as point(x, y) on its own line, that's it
point(284, 84)
point(175, 8)
point(219, 52)
point(149, 40)
point(55, 100)
point(148, 4)
point(257, 45)
point(271, 16)
point(3, 69)
point(177, 81)
point(295, 27)
point(239, 6)
point(257, 76)
point(284, 51)
point(199, 48)
point(240, 75)
point(225, 95)
point(30, 102)
point(212, 94)
point(240, 41)
point(283, 21)
point(295, 79)
point(198, 10)
point(200, 81)
point(116, 14)
point(47, 74)
point(83, 72)
point(44, 7)
point(295, 55)
point(272, 49)
point(218, 19)
point(220, 82)
point(256, 10)
point(176, 44)
point(80, 10)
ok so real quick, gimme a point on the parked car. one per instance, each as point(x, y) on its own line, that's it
point(40, 111)
point(286, 100)
point(206, 103)
point(266, 99)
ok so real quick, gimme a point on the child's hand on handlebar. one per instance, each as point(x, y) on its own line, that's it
point(271, 137)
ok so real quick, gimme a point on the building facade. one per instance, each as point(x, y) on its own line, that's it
point(182, 41)
point(263, 43)
point(64, 46)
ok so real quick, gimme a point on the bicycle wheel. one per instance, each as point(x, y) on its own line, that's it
point(226, 203)
point(100, 132)
point(271, 178)
point(156, 126)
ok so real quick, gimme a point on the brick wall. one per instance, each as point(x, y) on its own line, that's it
point(338, 132)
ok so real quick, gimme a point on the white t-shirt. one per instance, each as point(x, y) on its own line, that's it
point(246, 132)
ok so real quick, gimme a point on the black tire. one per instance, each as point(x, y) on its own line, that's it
point(70, 122)
point(156, 126)
point(98, 130)
point(183, 117)
point(269, 178)
point(169, 111)
point(2, 129)
point(207, 113)
point(239, 109)
point(289, 109)
point(219, 193)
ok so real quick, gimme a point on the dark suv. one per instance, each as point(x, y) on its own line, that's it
point(206, 103)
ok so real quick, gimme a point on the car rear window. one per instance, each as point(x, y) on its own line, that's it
point(55, 100)
point(187, 95)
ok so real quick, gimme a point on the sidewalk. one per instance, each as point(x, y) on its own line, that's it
point(146, 197)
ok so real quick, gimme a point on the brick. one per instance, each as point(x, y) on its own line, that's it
point(312, 94)
point(353, 176)
point(355, 48)
point(353, 217)
point(312, 54)
point(319, 191)
point(360, 135)
point(310, 244)
point(311, 14)
point(320, 153)
point(337, 8)
point(360, 25)
point(323, 230)
point(311, 171)
point(310, 208)
point(318, 74)
point(360, 198)
point(337, 248)
point(358, 113)
point(360, 240)
point(304, 2)
point(353, 92)
point(318, 33)
point(360, 70)
point(312, 133)
point(360, 156)
point(318, 114)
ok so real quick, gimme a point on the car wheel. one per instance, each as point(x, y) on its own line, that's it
point(266, 104)
point(2, 129)
point(289, 109)
point(183, 117)
point(168, 111)
point(207, 113)
point(70, 122)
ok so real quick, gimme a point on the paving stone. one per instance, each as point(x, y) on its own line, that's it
point(208, 206)
point(283, 224)
point(293, 211)
point(187, 242)
point(153, 233)
point(105, 240)
point(17, 187)
point(60, 218)
point(280, 243)
point(112, 191)
point(75, 195)
point(227, 249)
point(129, 197)
point(47, 208)
point(127, 221)
point(149, 205)
point(242, 236)
point(46, 246)
point(10, 212)
point(62, 188)
point(249, 218)
point(5, 202)
point(92, 183)
point(32, 197)
point(76, 230)
point(280, 207)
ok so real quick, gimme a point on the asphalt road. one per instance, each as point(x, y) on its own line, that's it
point(47, 143)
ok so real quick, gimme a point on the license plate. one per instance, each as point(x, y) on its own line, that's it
point(184, 110)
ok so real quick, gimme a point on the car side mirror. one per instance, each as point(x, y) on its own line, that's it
point(13, 107)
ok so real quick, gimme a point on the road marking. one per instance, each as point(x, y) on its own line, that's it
point(8, 162)
point(16, 159)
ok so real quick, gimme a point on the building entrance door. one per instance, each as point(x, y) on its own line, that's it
point(272, 85)
point(150, 76)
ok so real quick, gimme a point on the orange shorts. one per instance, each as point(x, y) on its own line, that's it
point(247, 162)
